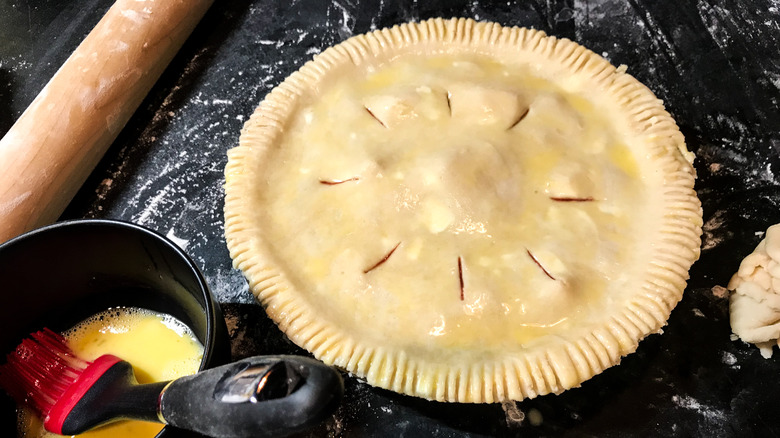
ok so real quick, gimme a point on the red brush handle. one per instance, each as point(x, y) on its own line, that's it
point(75, 392)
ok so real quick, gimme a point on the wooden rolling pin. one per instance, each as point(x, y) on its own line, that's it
point(50, 151)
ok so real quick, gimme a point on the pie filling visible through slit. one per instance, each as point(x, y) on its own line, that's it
point(463, 212)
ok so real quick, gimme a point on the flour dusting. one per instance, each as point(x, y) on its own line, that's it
point(15, 64)
point(729, 359)
point(690, 403)
point(181, 243)
point(228, 284)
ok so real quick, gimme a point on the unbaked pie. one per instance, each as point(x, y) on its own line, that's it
point(462, 211)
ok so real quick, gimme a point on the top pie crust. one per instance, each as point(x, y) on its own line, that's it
point(462, 211)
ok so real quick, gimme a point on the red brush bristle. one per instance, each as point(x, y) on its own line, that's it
point(40, 370)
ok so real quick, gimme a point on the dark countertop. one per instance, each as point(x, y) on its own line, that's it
point(716, 65)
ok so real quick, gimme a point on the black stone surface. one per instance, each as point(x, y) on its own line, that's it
point(716, 65)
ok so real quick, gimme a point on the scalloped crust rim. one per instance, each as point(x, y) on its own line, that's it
point(563, 363)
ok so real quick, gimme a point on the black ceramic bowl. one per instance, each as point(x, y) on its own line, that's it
point(59, 275)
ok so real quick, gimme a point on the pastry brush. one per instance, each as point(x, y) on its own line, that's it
point(258, 396)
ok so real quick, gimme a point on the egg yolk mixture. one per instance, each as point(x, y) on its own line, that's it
point(159, 346)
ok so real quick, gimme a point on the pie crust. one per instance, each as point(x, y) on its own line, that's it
point(462, 211)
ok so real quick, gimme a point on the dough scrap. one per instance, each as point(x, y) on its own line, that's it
point(754, 304)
